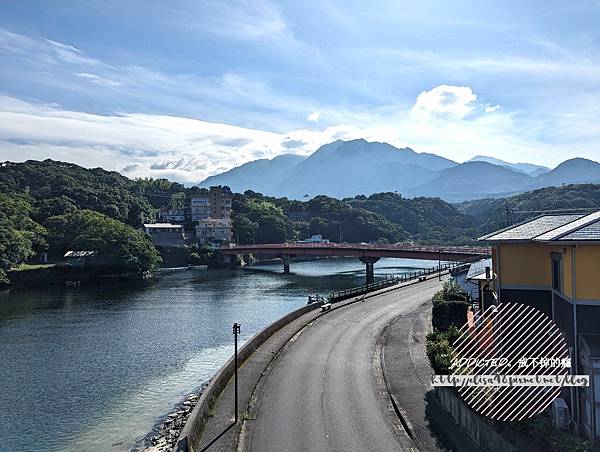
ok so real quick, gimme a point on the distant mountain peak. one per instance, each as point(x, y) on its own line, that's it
point(578, 161)
point(527, 168)
point(346, 168)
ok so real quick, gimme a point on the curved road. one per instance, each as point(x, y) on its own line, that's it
point(322, 392)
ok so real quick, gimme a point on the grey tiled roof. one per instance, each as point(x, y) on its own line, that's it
point(477, 268)
point(533, 228)
point(588, 233)
point(572, 228)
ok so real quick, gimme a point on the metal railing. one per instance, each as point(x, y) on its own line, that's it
point(473, 250)
point(394, 280)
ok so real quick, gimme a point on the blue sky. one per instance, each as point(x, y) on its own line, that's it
point(186, 89)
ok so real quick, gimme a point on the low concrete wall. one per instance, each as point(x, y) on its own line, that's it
point(192, 432)
point(476, 427)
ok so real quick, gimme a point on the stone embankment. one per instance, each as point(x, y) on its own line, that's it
point(163, 436)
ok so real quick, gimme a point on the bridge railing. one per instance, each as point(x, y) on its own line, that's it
point(478, 250)
point(394, 280)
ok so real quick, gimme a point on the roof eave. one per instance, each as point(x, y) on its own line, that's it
point(571, 242)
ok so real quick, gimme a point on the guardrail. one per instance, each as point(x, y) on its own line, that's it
point(341, 295)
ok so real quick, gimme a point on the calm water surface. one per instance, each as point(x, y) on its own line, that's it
point(95, 368)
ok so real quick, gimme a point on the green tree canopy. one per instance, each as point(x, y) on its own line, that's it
point(118, 244)
point(20, 236)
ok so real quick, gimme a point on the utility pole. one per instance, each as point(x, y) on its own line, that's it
point(236, 331)
point(439, 265)
point(506, 209)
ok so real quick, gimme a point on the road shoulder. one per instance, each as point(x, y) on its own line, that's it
point(407, 375)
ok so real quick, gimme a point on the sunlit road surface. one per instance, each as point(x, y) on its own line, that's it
point(322, 392)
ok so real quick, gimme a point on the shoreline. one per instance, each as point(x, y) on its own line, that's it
point(165, 432)
point(71, 277)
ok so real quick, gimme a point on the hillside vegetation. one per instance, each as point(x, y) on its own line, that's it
point(54, 206)
point(491, 214)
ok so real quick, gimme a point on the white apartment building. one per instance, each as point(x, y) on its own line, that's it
point(211, 230)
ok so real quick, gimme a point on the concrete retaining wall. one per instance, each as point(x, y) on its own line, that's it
point(476, 427)
point(192, 432)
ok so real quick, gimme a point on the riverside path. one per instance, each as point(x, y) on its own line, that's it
point(325, 391)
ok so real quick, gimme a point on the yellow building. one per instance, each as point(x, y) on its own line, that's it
point(553, 263)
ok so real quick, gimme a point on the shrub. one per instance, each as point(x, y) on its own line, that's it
point(451, 291)
point(439, 349)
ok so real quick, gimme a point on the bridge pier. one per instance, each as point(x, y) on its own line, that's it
point(369, 262)
point(286, 262)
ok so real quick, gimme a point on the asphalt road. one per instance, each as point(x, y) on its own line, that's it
point(323, 392)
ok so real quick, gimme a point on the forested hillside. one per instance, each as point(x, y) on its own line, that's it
point(95, 209)
point(492, 214)
point(54, 206)
point(262, 219)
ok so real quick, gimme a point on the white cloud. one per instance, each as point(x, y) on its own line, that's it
point(492, 109)
point(70, 54)
point(445, 99)
point(184, 149)
point(236, 20)
point(98, 80)
point(189, 150)
point(314, 116)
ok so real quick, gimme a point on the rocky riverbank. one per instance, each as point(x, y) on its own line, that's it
point(165, 433)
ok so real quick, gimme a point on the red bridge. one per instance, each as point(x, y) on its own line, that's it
point(367, 253)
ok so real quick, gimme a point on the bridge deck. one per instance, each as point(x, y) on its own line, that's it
point(448, 253)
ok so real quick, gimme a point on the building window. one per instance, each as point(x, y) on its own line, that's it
point(556, 274)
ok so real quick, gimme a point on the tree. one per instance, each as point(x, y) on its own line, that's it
point(117, 244)
point(244, 229)
point(272, 229)
point(20, 236)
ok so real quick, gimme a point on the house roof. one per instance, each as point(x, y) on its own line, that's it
point(551, 228)
point(531, 229)
point(162, 225)
point(80, 253)
point(478, 268)
point(574, 227)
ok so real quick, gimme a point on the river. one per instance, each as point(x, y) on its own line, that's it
point(94, 368)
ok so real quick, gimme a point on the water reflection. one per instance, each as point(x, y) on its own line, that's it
point(93, 368)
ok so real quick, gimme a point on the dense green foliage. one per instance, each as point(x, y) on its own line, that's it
point(57, 188)
point(427, 220)
point(448, 315)
point(450, 292)
point(96, 209)
point(19, 234)
point(439, 349)
point(262, 219)
point(118, 245)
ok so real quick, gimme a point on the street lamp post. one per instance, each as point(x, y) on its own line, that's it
point(236, 331)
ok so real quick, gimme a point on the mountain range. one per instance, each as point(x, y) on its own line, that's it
point(358, 167)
